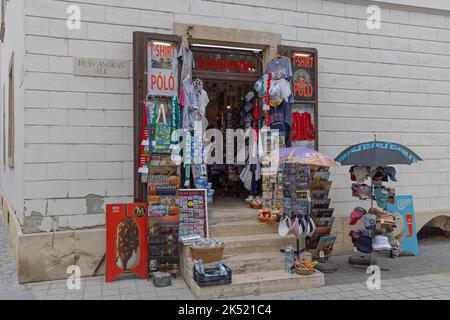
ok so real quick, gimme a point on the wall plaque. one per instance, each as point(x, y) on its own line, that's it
point(93, 67)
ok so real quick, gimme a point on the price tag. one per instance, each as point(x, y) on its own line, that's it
point(354, 249)
point(382, 221)
point(321, 254)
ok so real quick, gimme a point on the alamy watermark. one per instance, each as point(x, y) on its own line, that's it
point(73, 281)
point(73, 21)
point(374, 280)
point(374, 19)
point(249, 146)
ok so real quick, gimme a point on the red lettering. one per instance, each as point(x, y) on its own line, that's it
point(303, 90)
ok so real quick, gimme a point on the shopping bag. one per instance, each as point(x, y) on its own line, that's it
point(161, 140)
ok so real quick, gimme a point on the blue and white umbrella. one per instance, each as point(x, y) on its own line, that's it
point(377, 153)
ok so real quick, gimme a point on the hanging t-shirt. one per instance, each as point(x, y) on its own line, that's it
point(187, 58)
point(190, 105)
point(203, 101)
point(281, 68)
point(279, 117)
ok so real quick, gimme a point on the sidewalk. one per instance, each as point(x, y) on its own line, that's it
point(423, 277)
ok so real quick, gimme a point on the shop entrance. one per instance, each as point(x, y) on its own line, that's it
point(224, 112)
point(228, 75)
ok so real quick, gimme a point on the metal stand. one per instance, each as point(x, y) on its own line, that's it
point(372, 262)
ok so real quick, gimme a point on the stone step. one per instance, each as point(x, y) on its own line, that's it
point(246, 244)
point(255, 262)
point(233, 215)
point(236, 228)
point(259, 283)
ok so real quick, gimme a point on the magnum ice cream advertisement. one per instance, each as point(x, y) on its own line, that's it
point(126, 240)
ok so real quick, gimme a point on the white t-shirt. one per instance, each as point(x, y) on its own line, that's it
point(203, 100)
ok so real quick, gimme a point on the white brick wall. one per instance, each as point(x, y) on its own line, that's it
point(78, 130)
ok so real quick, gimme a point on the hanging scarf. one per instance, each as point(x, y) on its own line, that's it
point(187, 158)
point(153, 125)
point(175, 123)
point(144, 155)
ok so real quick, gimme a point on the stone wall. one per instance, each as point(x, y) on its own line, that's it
point(79, 130)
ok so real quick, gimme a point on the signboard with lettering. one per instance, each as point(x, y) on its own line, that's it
point(305, 91)
point(224, 63)
point(162, 68)
point(405, 232)
point(108, 68)
point(304, 76)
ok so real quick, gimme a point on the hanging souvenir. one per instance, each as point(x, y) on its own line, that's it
point(162, 133)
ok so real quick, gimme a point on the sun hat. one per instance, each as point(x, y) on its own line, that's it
point(364, 244)
point(312, 226)
point(355, 234)
point(370, 221)
point(386, 219)
point(284, 226)
point(364, 191)
point(356, 214)
point(390, 172)
point(360, 173)
point(297, 228)
point(381, 243)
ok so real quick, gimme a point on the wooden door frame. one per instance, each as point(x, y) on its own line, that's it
point(140, 64)
point(287, 51)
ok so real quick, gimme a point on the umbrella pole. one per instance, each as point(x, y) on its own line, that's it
point(371, 207)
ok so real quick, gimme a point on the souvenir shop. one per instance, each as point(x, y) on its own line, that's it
point(184, 88)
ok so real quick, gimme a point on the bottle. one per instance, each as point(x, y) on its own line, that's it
point(288, 259)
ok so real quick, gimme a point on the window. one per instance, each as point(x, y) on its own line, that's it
point(2, 22)
point(11, 113)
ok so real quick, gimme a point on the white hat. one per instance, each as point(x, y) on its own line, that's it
point(360, 174)
point(284, 226)
point(381, 243)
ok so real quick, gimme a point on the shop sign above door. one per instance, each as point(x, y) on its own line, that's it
point(226, 64)
point(162, 68)
point(93, 67)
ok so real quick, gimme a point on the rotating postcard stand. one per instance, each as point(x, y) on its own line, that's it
point(306, 210)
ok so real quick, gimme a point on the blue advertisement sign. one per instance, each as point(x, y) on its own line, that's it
point(405, 232)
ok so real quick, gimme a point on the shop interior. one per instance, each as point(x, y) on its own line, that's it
point(224, 112)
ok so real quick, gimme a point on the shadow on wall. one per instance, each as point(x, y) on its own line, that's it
point(436, 228)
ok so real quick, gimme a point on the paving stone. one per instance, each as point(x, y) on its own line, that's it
point(409, 278)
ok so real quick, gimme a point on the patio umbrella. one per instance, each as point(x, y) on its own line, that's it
point(302, 155)
point(377, 153)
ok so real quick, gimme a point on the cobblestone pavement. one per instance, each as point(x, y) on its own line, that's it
point(9, 288)
point(423, 277)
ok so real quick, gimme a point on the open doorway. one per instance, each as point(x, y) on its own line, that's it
point(226, 99)
point(228, 75)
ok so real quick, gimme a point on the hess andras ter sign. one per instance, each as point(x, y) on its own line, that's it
point(93, 67)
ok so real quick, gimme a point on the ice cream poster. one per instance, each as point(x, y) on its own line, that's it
point(126, 240)
point(405, 232)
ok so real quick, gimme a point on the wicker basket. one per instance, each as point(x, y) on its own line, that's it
point(272, 220)
point(304, 272)
point(207, 255)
